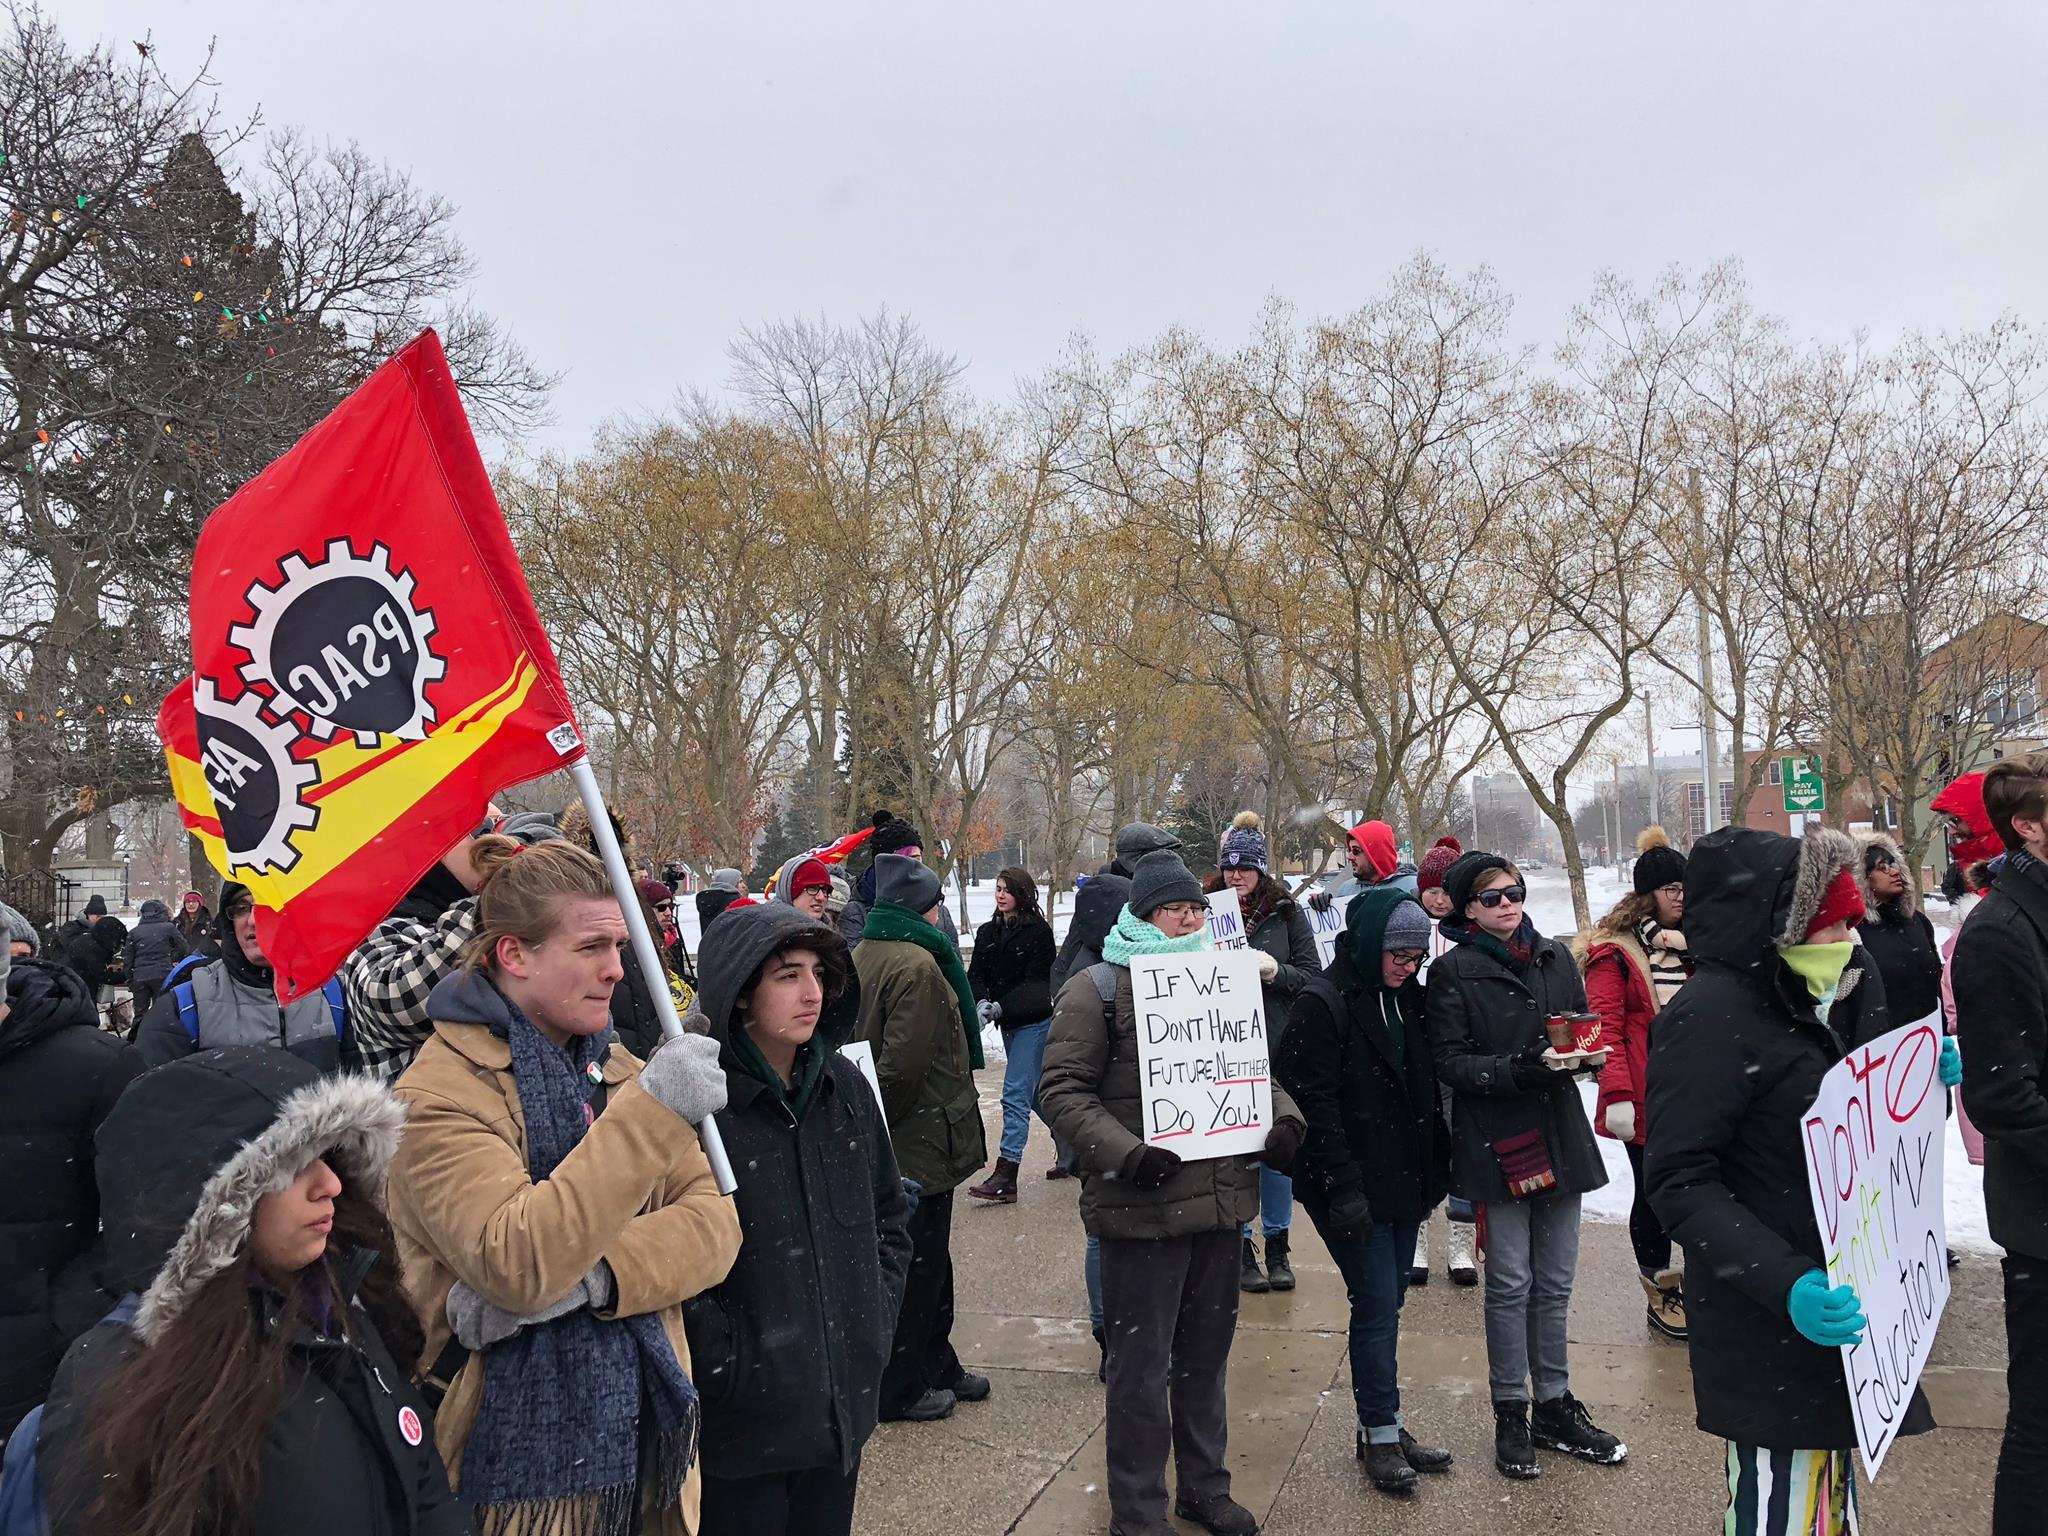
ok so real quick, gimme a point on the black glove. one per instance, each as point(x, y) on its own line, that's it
point(1322, 901)
point(1529, 1073)
point(1282, 1142)
point(1350, 1214)
point(1154, 1167)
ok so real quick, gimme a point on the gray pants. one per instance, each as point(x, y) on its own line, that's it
point(1169, 1307)
point(1532, 1255)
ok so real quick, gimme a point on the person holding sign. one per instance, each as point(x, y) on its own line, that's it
point(1377, 1157)
point(1167, 1224)
point(1780, 993)
point(1278, 934)
point(2000, 972)
point(1521, 1148)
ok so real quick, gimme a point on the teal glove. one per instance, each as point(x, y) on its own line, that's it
point(1951, 1062)
point(1830, 1318)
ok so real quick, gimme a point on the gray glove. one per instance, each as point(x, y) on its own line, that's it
point(479, 1324)
point(989, 1011)
point(685, 1075)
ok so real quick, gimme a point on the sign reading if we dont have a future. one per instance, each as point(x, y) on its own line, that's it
point(1203, 1053)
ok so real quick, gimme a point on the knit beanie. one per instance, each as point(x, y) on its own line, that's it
point(1244, 845)
point(19, 929)
point(1443, 853)
point(906, 883)
point(1657, 862)
point(725, 880)
point(893, 836)
point(809, 875)
point(1841, 903)
point(1376, 838)
point(1159, 878)
point(1466, 871)
point(96, 906)
point(1408, 927)
point(653, 892)
point(1139, 838)
point(842, 892)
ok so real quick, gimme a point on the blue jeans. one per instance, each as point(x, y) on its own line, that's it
point(1532, 1258)
point(1276, 1203)
point(1463, 1210)
point(1375, 1271)
point(1023, 1055)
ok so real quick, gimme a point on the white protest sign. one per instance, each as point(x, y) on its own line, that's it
point(1874, 1140)
point(862, 1055)
point(1202, 1053)
point(1226, 920)
point(1328, 928)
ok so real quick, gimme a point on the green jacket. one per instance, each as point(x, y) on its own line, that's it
point(1089, 1093)
point(909, 1014)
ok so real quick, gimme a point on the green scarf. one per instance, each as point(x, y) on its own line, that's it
point(1820, 966)
point(809, 1068)
point(1397, 1031)
point(1132, 935)
point(888, 921)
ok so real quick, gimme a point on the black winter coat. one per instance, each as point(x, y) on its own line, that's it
point(1285, 934)
point(1481, 1015)
point(633, 1014)
point(154, 946)
point(95, 953)
point(1999, 970)
point(59, 1075)
point(1012, 965)
point(787, 1351)
point(335, 1458)
point(1735, 1063)
point(1375, 1119)
point(1096, 906)
point(1902, 946)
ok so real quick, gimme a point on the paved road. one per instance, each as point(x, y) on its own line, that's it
point(1030, 1459)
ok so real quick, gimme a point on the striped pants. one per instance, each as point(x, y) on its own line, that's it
point(1790, 1493)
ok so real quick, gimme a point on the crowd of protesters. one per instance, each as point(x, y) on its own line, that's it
point(437, 1249)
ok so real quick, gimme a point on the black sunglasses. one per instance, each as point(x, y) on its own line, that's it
point(1493, 898)
point(664, 906)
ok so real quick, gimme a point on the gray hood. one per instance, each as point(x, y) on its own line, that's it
point(1138, 839)
point(154, 912)
point(732, 951)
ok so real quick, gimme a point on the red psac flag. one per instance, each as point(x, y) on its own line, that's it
point(367, 668)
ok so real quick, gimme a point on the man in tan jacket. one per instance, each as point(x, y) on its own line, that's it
point(553, 1211)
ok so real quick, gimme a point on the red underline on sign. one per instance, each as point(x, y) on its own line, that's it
point(1169, 1135)
point(1226, 1082)
point(1225, 1130)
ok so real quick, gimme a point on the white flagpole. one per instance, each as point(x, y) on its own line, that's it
point(643, 947)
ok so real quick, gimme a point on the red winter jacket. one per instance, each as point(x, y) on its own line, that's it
point(1618, 989)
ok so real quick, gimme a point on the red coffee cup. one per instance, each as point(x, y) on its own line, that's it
point(1585, 1031)
point(1562, 1032)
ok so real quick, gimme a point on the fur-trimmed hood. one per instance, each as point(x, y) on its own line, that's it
point(190, 1148)
point(1909, 903)
point(1747, 891)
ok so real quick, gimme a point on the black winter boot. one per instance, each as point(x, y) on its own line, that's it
point(1279, 1273)
point(1249, 1276)
point(1564, 1425)
point(1513, 1451)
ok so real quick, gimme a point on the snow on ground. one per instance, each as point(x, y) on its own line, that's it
point(1550, 905)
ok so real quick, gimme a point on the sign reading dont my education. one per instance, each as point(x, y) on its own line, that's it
point(1226, 920)
point(1874, 1142)
point(1203, 1069)
point(1328, 927)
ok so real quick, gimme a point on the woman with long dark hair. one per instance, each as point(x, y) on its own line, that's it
point(248, 1381)
point(1011, 974)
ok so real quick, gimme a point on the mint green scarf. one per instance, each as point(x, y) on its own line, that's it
point(1132, 935)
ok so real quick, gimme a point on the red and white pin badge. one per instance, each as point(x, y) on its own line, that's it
point(409, 1426)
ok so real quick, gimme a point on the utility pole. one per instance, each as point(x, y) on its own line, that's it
point(1710, 736)
point(1615, 846)
point(1652, 811)
point(1476, 843)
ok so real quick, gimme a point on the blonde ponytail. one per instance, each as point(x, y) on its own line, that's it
point(523, 890)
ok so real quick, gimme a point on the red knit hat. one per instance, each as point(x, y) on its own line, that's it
point(1443, 853)
point(809, 875)
point(1376, 838)
point(1842, 902)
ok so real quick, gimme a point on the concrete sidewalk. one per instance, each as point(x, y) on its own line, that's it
point(1030, 1459)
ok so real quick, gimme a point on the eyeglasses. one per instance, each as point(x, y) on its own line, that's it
point(1407, 959)
point(1493, 898)
point(1183, 909)
point(664, 906)
point(1674, 890)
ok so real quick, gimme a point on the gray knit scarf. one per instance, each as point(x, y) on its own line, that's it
point(557, 1444)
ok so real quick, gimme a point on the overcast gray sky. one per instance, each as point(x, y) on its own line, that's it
point(641, 181)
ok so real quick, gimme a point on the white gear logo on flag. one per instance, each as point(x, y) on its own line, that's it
point(256, 784)
point(343, 644)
